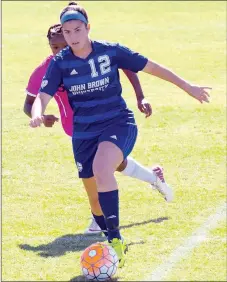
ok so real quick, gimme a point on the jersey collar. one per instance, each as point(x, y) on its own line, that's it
point(91, 54)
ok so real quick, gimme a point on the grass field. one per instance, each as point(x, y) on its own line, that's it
point(45, 208)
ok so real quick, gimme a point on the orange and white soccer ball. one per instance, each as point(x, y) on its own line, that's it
point(99, 262)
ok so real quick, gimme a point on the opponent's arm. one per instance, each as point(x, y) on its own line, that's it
point(49, 86)
point(142, 104)
point(28, 102)
point(198, 92)
point(32, 90)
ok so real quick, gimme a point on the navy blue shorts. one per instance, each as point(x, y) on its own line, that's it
point(122, 135)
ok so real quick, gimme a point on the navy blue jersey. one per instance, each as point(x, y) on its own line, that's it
point(93, 85)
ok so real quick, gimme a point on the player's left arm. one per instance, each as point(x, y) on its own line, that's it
point(143, 105)
point(200, 93)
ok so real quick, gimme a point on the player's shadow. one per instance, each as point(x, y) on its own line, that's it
point(77, 242)
point(156, 220)
point(80, 278)
point(64, 244)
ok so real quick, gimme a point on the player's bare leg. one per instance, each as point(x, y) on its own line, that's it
point(108, 157)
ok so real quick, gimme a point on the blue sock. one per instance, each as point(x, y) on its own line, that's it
point(100, 220)
point(109, 203)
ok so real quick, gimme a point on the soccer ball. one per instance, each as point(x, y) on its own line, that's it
point(99, 262)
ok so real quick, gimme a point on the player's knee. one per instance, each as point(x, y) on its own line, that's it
point(102, 172)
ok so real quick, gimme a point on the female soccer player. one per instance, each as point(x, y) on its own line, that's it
point(104, 129)
point(129, 166)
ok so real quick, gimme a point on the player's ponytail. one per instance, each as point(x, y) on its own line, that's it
point(72, 4)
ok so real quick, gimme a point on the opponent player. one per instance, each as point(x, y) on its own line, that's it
point(129, 166)
point(99, 111)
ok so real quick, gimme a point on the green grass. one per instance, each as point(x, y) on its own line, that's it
point(43, 200)
point(208, 261)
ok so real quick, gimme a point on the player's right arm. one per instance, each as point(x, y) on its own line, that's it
point(49, 86)
point(38, 109)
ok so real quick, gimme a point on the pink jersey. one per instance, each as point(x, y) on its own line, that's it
point(60, 97)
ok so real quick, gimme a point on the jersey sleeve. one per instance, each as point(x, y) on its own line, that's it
point(34, 82)
point(52, 79)
point(128, 59)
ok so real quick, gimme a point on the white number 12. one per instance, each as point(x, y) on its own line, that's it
point(104, 65)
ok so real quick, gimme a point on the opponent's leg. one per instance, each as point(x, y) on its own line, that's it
point(154, 176)
point(98, 223)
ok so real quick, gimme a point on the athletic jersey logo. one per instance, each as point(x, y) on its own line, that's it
point(113, 137)
point(99, 85)
point(79, 166)
point(44, 83)
point(73, 72)
point(111, 216)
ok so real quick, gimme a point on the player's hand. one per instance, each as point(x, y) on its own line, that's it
point(49, 120)
point(145, 107)
point(200, 93)
point(37, 121)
